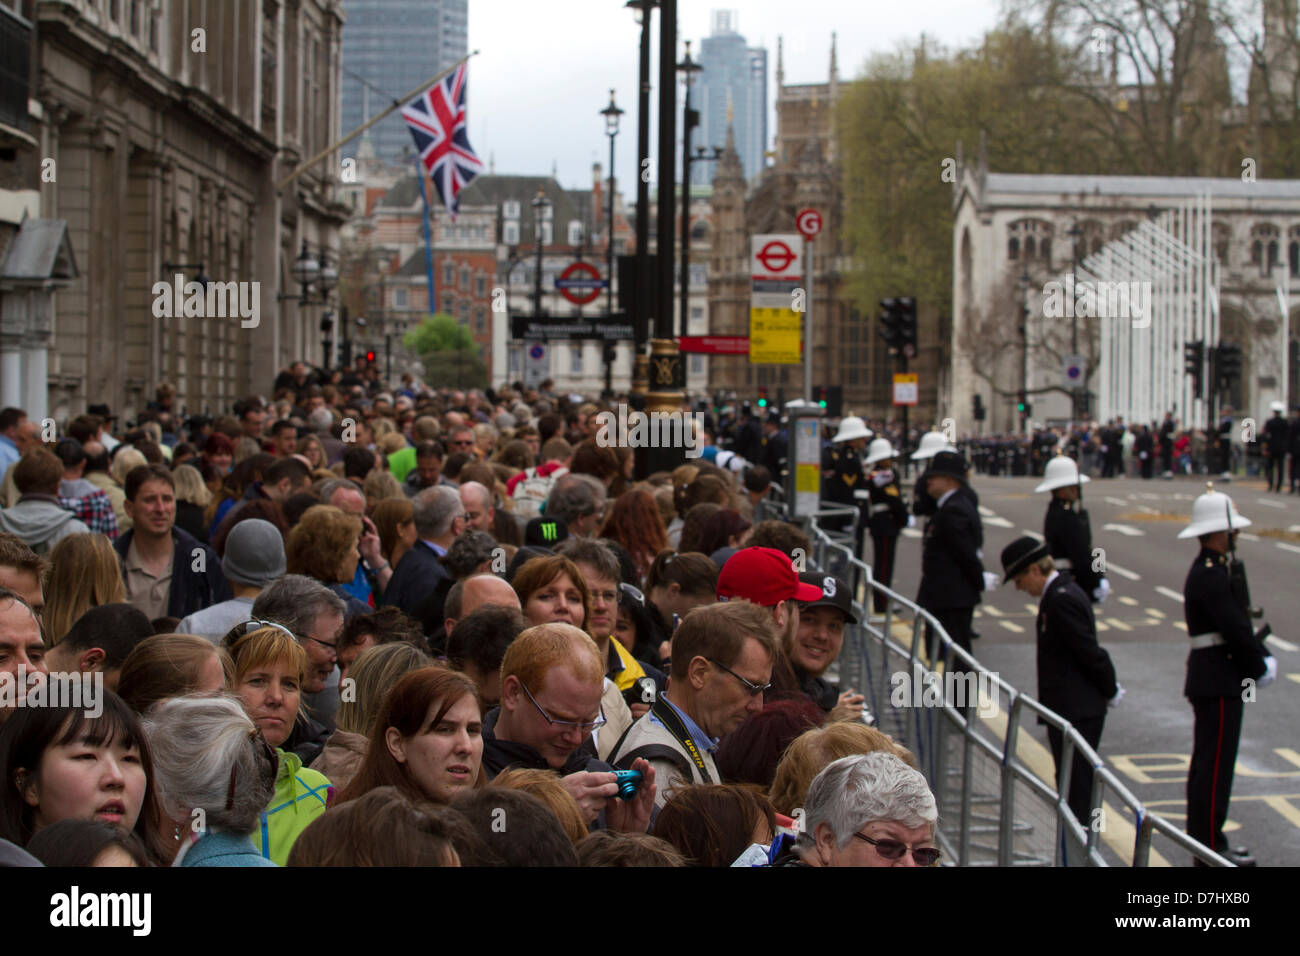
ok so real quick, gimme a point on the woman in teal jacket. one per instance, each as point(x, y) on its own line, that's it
point(215, 774)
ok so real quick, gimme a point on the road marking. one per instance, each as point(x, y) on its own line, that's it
point(1012, 626)
point(1285, 645)
point(1159, 615)
point(1181, 625)
point(1103, 626)
point(1116, 622)
point(992, 611)
point(997, 522)
point(1032, 608)
point(1122, 572)
point(1294, 529)
point(1271, 504)
point(1124, 529)
point(1247, 536)
point(911, 533)
point(1287, 547)
point(1294, 677)
point(1169, 593)
point(1033, 534)
point(1125, 599)
point(1145, 510)
point(1115, 501)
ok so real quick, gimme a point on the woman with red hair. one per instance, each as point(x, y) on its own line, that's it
point(427, 740)
point(635, 524)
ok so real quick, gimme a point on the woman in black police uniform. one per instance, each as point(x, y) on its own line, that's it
point(1066, 530)
point(1226, 655)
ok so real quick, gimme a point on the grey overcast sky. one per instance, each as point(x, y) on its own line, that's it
point(545, 68)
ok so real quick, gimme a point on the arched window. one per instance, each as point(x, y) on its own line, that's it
point(1013, 248)
point(1264, 247)
point(1029, 247)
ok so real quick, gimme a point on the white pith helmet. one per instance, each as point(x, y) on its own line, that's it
point(1061, 472)
point(851, 428)
point(1214, 511)
point(879, 450)
point(931, 444)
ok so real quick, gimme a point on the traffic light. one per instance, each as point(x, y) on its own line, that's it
point(821, 395)
point(1229, 365)
point(907, 325)
point(762, 396)
point(1193, 365)
point(370, 357)
point(1022, 403)
point(978, 407)
point(891, 325)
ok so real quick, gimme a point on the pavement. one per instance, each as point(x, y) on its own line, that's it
point(1148, 736)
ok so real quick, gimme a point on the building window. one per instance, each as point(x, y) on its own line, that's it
point(449, 304)
point(480, 320)
point(1264, 248)
point(1013, 248)
point(399, 298)
point(1222, 243)
point(697, 364)
point(575, 359)
point(464, 277)
point(697, 312)
point(516, 362)
point(1293, 250)
point(480, 286)
point(446, 273)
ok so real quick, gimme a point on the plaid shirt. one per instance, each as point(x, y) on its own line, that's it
point(96, 510)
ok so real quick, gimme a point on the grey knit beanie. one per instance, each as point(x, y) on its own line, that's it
point(254, 553)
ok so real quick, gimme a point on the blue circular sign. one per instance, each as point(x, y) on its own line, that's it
point(536, 351)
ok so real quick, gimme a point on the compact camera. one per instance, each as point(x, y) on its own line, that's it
point(628, 783)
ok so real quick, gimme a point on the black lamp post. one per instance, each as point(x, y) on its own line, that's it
point(690, 120)
point(541, 207)
point(1074, 232)
point(611, 114)
point(1024, 345)
point(643, 278)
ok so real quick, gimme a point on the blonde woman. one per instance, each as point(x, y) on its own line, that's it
point(394, 519)
point(311, 448)
point(122, 465)
point(192, 499)
point(84, 573)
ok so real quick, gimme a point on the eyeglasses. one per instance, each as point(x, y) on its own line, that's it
point(605, 597)
point(894, 850)
point(586, 726)
point(333, 646)
point(754, 689)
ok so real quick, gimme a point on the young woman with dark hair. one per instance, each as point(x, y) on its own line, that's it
point(427, 740)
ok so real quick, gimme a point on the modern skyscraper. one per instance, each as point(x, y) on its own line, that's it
point(734, 81)
point(394, 45)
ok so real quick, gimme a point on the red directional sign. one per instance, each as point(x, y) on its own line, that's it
point(715, 344)
point(580, 283)
point(809, 223)
point(776, 256)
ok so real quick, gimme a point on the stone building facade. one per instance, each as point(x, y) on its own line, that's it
point(170, 127)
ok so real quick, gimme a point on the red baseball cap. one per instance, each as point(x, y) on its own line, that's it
point(764, 576)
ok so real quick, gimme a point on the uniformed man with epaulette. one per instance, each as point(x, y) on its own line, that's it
point(1066, 530)
point(843, 479)
point(1228, 659)
point(886, 515)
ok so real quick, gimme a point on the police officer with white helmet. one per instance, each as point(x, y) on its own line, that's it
point(1227, 660)
point(1066, 529)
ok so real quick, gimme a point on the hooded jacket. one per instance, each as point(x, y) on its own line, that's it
point(301, 796)
point(41, 522)
point(499, 754)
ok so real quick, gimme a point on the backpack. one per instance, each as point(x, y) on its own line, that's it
point(531, 493)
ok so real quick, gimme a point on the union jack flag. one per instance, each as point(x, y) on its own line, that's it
point(436, 119)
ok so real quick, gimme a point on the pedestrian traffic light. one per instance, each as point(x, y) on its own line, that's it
point(370, 357)
point(1193, 365)
point(762, 396)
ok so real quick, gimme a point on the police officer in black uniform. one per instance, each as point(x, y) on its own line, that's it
point(1277, 438)
point(1076, 677)
point(1228, 660)
point(844, 481)
point(773, 450)
point(886, 515)
point(1066, 530)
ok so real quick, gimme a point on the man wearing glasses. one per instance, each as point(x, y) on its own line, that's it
point(461, 439)
point(866, 810)
point(552, 678)
point(721, 666)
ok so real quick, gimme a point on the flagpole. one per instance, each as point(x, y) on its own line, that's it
point(428, 246)
point(397, 104)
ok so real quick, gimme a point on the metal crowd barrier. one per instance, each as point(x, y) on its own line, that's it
point(994, 809)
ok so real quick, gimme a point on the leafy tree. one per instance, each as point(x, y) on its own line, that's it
point(449, 352)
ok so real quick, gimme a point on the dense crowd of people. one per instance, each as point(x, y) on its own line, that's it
point(351, 626)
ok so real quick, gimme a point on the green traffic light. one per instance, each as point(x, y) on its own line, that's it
point(822, 403)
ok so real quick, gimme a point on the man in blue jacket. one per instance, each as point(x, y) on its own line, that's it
point(168, 572)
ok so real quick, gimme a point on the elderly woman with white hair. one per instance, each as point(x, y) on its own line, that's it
point(865, 810)
point(214, 773)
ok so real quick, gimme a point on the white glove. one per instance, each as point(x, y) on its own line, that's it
point(911, 521)
point(990, 581)
point(1270, 672)
point(1101, 591)
point(1119, 695)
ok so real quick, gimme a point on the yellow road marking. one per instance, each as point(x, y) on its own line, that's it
point(1156, 614)
point(1130, 601)
point(1103, 626)
point(1116, 622)
point(992, 610)
point(1012, 626)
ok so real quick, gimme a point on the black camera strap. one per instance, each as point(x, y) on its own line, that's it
point(668, 716)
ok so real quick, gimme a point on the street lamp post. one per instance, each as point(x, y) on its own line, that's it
point(1074, 232)
point(611, 114)
point(643, 279)
point(541, 205)
point(690, 119)
point(1024, 344)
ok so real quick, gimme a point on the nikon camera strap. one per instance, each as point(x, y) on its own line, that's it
point(673, 723)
